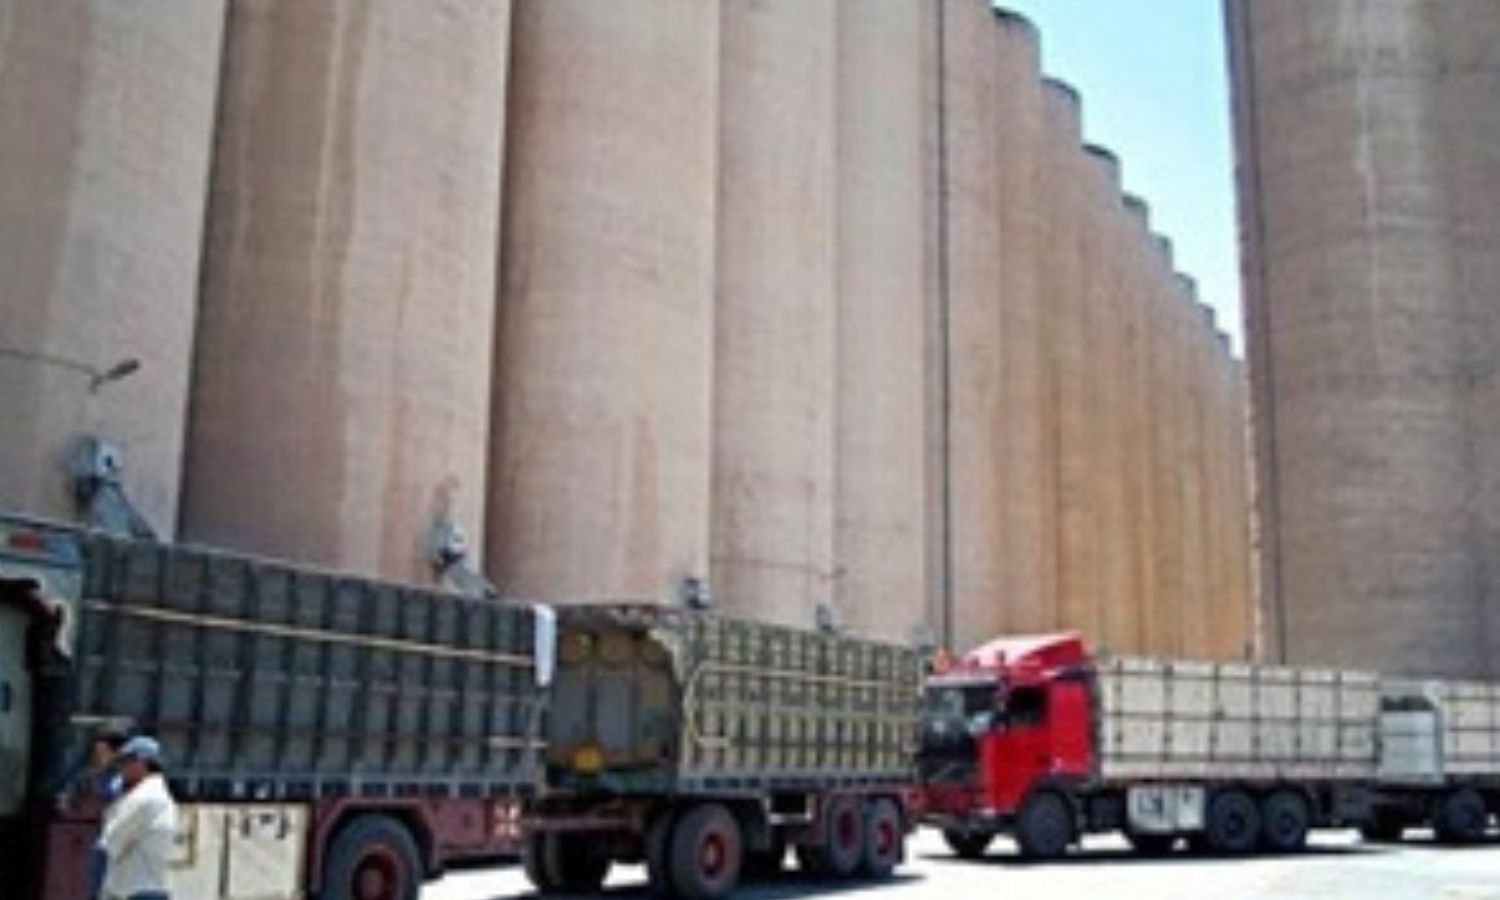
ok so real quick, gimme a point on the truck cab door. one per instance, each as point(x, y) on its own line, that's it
point(1020, 751)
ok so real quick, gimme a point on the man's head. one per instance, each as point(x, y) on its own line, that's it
point(140, 756)
point(106, 746)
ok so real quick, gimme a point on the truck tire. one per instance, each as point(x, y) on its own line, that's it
point(1284, 821)
point(1044, 827)
point(536, 863)
point(968, 844)
point(1233, 827)
point(576, 862)
point(1151, 844)
point(1460, 817)
point(841, 850)
point(884, 837)
point(372, 857)
point(659, 853)
point(707, 849)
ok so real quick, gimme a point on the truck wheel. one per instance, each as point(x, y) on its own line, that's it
point(1151, 844)
point(1233, 823)
point(842, 849)
point(1284, 820)
point(968, 844)
point(1044, 829)
point(576, 863)
point(373, 857)
point(659, 854)
point(535, 861)
point(1460, 817)
point(883, 838)
point(707, 848)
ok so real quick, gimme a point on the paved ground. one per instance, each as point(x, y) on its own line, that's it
point(1338, 867)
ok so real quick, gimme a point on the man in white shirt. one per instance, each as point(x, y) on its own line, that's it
point(141, 827)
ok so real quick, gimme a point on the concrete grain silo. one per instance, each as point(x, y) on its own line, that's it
point(1027, 551)
point(106, 130)
point(1106, 398)
point(970, 144)
point(774, 373)
point(1168, 411)
point(1359, 336)
point(1195, 613)
point(1241, 556)
point(1141, 348)
point(1469, 122)
point(340, 399)
point(880, 541)
point(1064, 285)
point(599, 473)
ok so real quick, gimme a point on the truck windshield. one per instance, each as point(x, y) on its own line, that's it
point(967, 707)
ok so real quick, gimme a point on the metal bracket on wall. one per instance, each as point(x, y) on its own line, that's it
point(448, 551)
point(95, 467)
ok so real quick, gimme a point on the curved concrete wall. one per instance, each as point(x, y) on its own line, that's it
point(1064, 287)
point(1028, 557)
point(341, 382)
point(880, 539)
point(1358, 334)
point(774, 369)
point(1145, 538)
point(599, 461)
point(106, 124)
point(976, 344)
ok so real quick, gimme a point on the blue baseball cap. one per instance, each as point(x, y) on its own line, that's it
point(142, 748)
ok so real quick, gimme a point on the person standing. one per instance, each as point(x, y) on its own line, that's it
point(105, 785)
point(139, 831)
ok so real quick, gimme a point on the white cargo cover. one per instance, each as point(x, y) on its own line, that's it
point(1184, 720)
point(1467, 723)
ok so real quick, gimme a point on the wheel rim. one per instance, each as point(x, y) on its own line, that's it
point(378, 876)
point(713, 854)
point(885, 838)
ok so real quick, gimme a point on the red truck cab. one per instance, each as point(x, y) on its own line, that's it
point(1008, 721)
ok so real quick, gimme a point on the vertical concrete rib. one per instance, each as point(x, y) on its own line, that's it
point(1027, 552)
point(106, 130)
point(1064, 285)
point(600, 452)
point(774, 368)
point(1144, 536)
point(1167, 409)
point(880, 540)
point(341, 382)
point(974, 270)
point(1358, 333)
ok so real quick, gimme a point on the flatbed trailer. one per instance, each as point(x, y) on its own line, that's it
point(325, 735)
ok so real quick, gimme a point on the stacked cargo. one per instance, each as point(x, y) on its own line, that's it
point(1164, 719)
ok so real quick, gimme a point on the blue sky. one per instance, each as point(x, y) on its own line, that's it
point(1154, 79)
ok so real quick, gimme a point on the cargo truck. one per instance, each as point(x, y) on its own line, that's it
point(324, 735)
point(338, 737)
point(1032, 738)
point(706, 747)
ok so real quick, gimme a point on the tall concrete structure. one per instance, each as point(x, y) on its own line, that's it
point(1166, 452)
point(106, 129)
point(1028, 558)
point(1366, 173)
point(1140, 335)
point(599, 463)
point(880, 544)
point(1065, 288)
point(341, 381)
point(976, 346)
point(774, 373)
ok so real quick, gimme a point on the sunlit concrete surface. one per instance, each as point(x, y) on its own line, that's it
point(1338, 866)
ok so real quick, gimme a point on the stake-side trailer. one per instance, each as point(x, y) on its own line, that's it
point(337, 737)
point(1032, 738)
